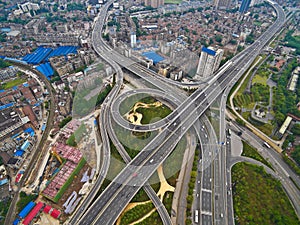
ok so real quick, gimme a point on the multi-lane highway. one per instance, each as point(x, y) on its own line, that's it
point(112, 201)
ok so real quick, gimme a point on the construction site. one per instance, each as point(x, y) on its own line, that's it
point(63, 179)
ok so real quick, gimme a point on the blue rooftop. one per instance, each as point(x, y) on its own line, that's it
point(38, 55)
point(2, 182)
point(19, 153)
point(209, 51)
point(15, 135)
point(26, 210)
point(153, 56)
point(28, 130)
point(6, 106)
point(63, 50)
point(46, 69)
point(25, 145)
point(16, 221)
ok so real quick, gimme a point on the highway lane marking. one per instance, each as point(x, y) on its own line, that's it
point(206, 213)
point(206, 190)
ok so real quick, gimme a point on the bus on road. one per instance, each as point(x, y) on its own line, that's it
point(196, 216)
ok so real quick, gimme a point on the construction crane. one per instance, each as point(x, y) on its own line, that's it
point(54, 153)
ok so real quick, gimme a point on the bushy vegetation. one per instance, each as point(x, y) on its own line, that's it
point(258, 198)
point(251, 152)
point(291, 164)
point(261, 93)
point(243, 100)
point(4, 206)
point(167, 201)
point(192, 181)
point(292, 41)
point(65, 121)
point(154, 219)
point(75, 6)
point(4, 64)
point(285, 101)
point(136, 213)
point(296, 154)
point(296, 129)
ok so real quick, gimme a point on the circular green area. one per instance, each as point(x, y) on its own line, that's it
point(151, 109)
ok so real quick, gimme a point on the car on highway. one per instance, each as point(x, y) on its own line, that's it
point(134, 174)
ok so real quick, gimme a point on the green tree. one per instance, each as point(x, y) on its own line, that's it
point(218, 38)
point(65, 121)
point(296, 129)
point(296, 155)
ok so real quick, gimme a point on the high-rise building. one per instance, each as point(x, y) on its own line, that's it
point(209, 61)
point(154, 3)
point(244, 6)
point(222, 4)
point(133, 39)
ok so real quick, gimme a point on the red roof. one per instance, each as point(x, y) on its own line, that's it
point(47, 209)
point(55, 213)
point(33, 213)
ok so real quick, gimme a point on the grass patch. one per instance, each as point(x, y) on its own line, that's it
point(13, 83)
point(252, 152)
point(257, 79)
point(133, 142)
point(153, 114)
point(136, 213)
point(245, 83)
point(257, 23)
point(258, 198)
point(172, 165)
point(115, 166)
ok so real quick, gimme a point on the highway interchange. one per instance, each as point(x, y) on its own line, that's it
point(122, 189)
